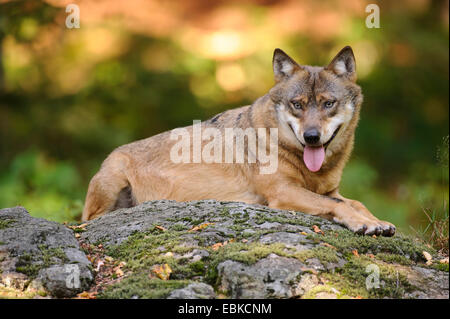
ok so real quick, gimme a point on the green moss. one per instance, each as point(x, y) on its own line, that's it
point(345, 241)
point(263, 218)
point(26, 266)
point(351, 279)
point(394, 259)
point(240, 252)
point(325, 255)
point(143, 250)
point(225, 212)
point(178, 227)
point(238, 228)
point(6, 223)
point(441, 267)
point(197, 267)
point(30, 265)
point(141, 286)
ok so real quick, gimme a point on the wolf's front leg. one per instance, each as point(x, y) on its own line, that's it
point(387, 229)
point(288, 195)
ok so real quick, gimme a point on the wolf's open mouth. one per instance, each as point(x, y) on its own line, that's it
point(314, 156)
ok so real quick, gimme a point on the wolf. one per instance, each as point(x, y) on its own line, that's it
point(315, 111)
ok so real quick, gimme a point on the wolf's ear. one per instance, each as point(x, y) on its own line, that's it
point(344, 64)
point(283, 65)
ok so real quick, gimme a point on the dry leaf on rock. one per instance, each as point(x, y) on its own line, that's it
point(317, 230)
point(162, 271)
point(216, 246)
point(200, 227)
point(86, 295)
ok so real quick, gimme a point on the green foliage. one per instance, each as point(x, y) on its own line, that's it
point(47, 189)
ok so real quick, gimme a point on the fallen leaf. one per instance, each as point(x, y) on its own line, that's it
point(200, 227)
point(226, 242)
point(86, 295)
point(444, 261)
point(374, 236)
point(77, 235)
point(244, 240)
point(169, 254)
point(118, 272)
point(317, 230)
point(428, 257)
point(217, 246)
point(355, 252)
point(304, 233)
point(160, 228)
point(118, 269)
point(372, 256)
point(162, 271)
point(82, 226)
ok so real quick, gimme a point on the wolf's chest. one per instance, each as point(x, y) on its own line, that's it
point(321, 184)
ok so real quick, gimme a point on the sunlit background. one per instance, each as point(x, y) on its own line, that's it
point(135, 68)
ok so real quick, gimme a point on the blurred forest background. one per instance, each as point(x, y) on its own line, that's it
point(135, 68)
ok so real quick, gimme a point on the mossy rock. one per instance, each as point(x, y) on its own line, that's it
point(36, 257)
point(251, 251)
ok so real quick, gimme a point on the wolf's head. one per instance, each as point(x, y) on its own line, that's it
point(316, 104)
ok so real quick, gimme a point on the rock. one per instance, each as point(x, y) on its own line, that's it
point(271, 277)
point(193, 291)
point(212, 249)
point(40, 256)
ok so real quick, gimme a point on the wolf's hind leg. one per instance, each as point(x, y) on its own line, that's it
point(108, 189)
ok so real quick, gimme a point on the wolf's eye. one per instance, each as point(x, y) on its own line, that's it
point(296, 104)
point(329, 104)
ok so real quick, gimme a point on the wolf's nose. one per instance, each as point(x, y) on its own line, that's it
point(312, 136)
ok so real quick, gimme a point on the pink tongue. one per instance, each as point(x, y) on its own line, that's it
point(313, 157)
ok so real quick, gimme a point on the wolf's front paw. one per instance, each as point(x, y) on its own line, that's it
point(388, 229)
point(372, 227)
point(379, 227)
point(361, 224)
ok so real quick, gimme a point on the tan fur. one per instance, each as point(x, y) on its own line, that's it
point(143, 170)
